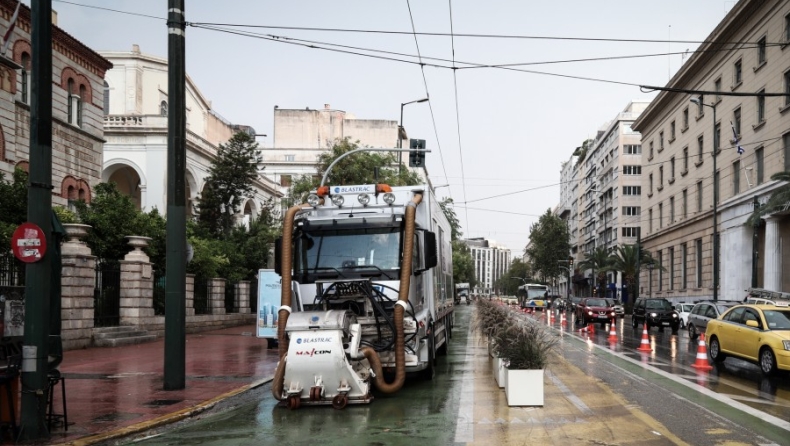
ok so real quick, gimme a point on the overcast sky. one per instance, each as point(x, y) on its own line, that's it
point(504, 132)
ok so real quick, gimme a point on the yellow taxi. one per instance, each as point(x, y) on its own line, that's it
point(755, 333)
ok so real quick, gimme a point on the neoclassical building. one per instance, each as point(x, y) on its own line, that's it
point(77, 108)
point(135, 128)
point(678, 178)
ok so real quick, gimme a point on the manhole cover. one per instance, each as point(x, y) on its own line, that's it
point(159, 403)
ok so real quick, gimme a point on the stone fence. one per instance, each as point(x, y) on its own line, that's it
point(136, 306)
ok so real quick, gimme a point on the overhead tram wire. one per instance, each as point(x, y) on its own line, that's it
point(458, 113)
point(428, 95)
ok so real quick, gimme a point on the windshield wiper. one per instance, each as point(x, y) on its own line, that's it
point(369, 266)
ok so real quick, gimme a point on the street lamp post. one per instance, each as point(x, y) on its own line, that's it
point(402, 131)
point(650, 285)
point(700, 101)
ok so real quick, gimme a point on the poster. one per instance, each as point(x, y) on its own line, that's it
point(269, 296)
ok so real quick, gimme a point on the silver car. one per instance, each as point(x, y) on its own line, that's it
point(619, 311)
point(704, 312)
point(683, 309)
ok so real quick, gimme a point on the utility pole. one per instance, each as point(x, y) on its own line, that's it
point(39, 212)
point(175, 286)
point(755, 242)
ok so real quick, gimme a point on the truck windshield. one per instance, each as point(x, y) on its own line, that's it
point(347, 250)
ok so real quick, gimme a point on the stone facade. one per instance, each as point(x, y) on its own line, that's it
point(78, 278)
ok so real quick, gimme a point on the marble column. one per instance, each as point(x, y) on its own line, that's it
point(772, 279)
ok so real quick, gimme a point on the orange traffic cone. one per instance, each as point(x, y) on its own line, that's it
point(644, 345)
point(550, 313)
point(562, 319)
point(591, 327)
point(702, 355)
point(612, 331)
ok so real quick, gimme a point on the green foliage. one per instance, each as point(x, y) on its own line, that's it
point(779, 200)
point(549, 243)
point(455, 225)
point(628, 260)
point(229, 183)
point(581, 152)
point(210, 257)
point(65, 215)
point(525, 346)
point(508, 284)
point(463, 265)
point(600, 261)
point(358, 168)
point(13, 206)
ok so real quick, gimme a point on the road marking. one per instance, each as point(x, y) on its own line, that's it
point(464, 427)
point(568, 394)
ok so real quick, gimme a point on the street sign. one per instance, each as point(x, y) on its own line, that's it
point(29, 243)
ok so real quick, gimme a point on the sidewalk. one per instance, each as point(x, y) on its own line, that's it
point(114, 391)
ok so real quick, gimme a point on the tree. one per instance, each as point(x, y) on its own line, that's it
point(463, 264)
point(13, 206)
point(455, 225)
point(517, 273)
point(549, 243)
point(599, 261)
point(629, 261)
point(358, 168)
point(779, 200)
point(229, 183)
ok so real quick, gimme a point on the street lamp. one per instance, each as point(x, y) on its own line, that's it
point(402, 131)
point(650, 266)
point(699, 101)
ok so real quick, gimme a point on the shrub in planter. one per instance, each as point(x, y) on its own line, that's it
point(525, 348)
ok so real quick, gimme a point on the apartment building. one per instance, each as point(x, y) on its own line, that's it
point(77, 103)
point(491, 262)
point(567, 210)
point(684, 139)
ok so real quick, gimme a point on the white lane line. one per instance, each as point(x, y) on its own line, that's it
point(464, 427)
point(568, 394)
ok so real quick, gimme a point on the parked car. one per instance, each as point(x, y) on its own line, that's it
point(619, 310)
point(655, 312)
point(683, 309)
point(594, 309)
point(705, 311)
point(755, 333)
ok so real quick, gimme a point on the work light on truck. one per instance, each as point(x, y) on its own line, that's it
point(364, 199)
point(389, 198)
point(313, 200)
point(338, 200)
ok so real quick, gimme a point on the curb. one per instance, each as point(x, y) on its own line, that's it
point(164, 419)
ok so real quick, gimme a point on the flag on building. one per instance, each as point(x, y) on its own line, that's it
point(11, 25)
point(735, 140)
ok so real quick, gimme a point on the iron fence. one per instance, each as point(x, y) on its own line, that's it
point(201, 300)
point(230, 296)
point(160, 291)
point(107, 294)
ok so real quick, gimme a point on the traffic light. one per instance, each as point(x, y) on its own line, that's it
point(416, 154)
point(570, 262)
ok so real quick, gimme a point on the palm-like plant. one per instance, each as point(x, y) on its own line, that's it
point(628, 260)
point(598, 261)
point(779, 200)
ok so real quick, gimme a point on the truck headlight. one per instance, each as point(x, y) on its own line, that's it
point(338, 200)
point(363, 199)
point(313, 200)
point(786, 344)
point(389, 198)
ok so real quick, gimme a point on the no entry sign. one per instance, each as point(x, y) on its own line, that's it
point(29, 243)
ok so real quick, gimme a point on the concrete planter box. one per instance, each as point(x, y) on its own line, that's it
point(500, 369)
point(524, 387)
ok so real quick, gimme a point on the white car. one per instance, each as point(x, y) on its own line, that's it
point(683, 310)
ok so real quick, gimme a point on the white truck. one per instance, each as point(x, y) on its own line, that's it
point(367, 293)
point(462, 293)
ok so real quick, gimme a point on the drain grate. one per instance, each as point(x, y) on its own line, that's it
point(160, 403)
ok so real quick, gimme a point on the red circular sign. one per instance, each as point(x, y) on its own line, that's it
point(29, 243)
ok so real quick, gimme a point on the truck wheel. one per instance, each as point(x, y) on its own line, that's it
point(340, 401)
point(294, 402)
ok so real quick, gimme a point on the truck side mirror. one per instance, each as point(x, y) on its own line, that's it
point(278, 250)
point(431, 253)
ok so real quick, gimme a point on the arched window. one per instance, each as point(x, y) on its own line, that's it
point(70, 102)
point(163, 108)
point(25, 78)
point(106, 98)
point(79, 106)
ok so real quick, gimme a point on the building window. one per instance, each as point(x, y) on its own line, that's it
point(760, 107)
point(660, 215)
point(699, 196)
point(698, 254)
point(737, 75)
point(672, 169)
point(632, 190)
point(700, 148)
point(787, 89)
point(69, 102)
point(671, 131)
point(736, 122)
point(650, 219)
point(660, 177)
point(736, 177)
point(650, 183)
point(660, 141)
point(717, 183)
point(632, 170)
point(163, 108)
point(717, 89)
point(717, 137)
point(25, 77)
point(290, 157)
point(632, 149)
point(631, 232)
point(651, 151)
point(683, 266)
point(671, 210)
point(685, 203)
point(631, 210)
point(685, 159)
point(758, 160)
point(761, 51)
point(786, 139)
point(671, 261)
point(685, 118)
point(787, 28)
point(106, 104)
point(660, 270)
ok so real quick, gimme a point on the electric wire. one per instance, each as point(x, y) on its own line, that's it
point(458, 113)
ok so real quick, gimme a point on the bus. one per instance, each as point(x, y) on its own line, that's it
point(533, 295)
